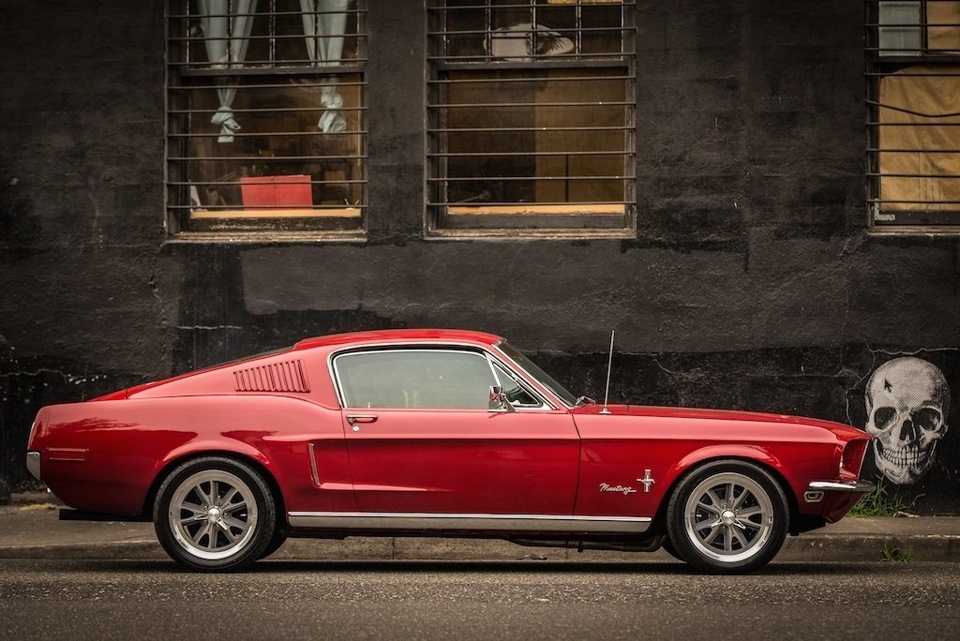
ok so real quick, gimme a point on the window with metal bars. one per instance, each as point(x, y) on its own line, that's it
point(265, 117)
point(913, 107)
point(530, 115)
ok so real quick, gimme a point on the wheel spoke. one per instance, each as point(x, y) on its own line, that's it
point(204, 530)
point(234, 507)
point(738, 501)
point(228, 523)
point(750, 511)
point(224, 527)
point(712, 495)
point(706, 507)
point(205, 497)
point(197, 513)
point(748, 525)
point(228, 497)
point(712, 536)
point(738, 535)
point(708, 522)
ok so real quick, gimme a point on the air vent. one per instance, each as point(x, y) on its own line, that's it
point(287, 376)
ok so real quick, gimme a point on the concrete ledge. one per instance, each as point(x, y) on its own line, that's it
point(31, 530)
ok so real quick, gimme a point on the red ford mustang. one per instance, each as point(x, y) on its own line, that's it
point(436, 433)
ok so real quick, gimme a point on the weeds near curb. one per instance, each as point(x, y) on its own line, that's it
point(880, 502)
point(896, 555)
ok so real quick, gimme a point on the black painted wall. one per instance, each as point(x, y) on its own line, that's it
point(752, 281)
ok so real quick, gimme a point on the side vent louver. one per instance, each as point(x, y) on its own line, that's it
point(287, 376)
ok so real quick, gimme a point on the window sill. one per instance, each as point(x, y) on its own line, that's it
point(345, 212)
point(535, 210)
point(914, 230)
point(265, 237)
point(530, 234)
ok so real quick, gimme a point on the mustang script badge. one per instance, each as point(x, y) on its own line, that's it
point(622, 489)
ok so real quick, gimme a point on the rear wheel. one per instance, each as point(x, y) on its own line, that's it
point(215, 514)
point(727, 517)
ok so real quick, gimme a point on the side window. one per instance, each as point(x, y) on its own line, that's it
point(414, 378)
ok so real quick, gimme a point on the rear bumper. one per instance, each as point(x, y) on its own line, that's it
point(33, 464)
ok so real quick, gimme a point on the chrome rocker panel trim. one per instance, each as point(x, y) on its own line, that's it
point(469, 522)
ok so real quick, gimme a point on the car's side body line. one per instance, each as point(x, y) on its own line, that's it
point(367, 521)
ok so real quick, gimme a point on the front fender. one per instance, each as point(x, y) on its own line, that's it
point(712, 452)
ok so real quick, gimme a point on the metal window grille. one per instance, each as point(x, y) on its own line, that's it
point(913, 113)
point(531, 114)
point(266, 126)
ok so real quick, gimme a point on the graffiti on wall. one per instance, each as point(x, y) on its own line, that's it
point(907, 403)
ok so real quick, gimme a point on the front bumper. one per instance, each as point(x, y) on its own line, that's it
point(817, 489)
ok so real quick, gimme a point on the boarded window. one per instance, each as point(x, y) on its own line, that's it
point(914, 105)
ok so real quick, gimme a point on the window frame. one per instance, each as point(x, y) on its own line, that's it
point(492, 361)
point(185, 222)
point(445, 218)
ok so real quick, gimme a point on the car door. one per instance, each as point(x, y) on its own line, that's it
point(422, 438)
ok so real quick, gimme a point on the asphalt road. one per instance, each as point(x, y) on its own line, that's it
point(464, 601)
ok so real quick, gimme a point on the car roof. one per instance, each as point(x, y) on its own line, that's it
point(399, 335)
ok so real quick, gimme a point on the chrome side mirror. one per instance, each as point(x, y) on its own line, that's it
point(498, 401)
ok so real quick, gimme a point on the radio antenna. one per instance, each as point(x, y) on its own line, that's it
point(606, 393)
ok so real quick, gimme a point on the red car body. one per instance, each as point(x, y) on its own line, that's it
point(545, 469)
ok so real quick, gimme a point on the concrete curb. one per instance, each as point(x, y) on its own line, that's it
point(830, 549)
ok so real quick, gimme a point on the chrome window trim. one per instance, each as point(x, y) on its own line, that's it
point(520, 380)
point(527, 376)
point(473, 522)
point(483, 351)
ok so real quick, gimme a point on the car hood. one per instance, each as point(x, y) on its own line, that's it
point(721, 417)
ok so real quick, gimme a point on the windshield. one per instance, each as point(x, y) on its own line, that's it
point(534, 370)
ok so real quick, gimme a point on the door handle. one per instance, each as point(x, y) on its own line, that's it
point(353, 419)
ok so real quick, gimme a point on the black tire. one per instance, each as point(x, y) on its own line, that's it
point(215, 514)
point(727, 517)
point(279, 538)
point(670, 549)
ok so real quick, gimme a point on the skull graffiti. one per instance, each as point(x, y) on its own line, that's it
point(907, 402)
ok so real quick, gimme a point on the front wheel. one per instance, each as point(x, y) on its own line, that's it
point(727, 517)
point(214, 514)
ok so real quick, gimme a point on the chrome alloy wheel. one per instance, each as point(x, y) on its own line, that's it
point(213, 514)
point(729, 517)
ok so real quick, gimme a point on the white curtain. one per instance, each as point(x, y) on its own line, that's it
point(324, 25)
point(226, 28)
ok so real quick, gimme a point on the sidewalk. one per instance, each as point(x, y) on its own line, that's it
point(30, 529)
